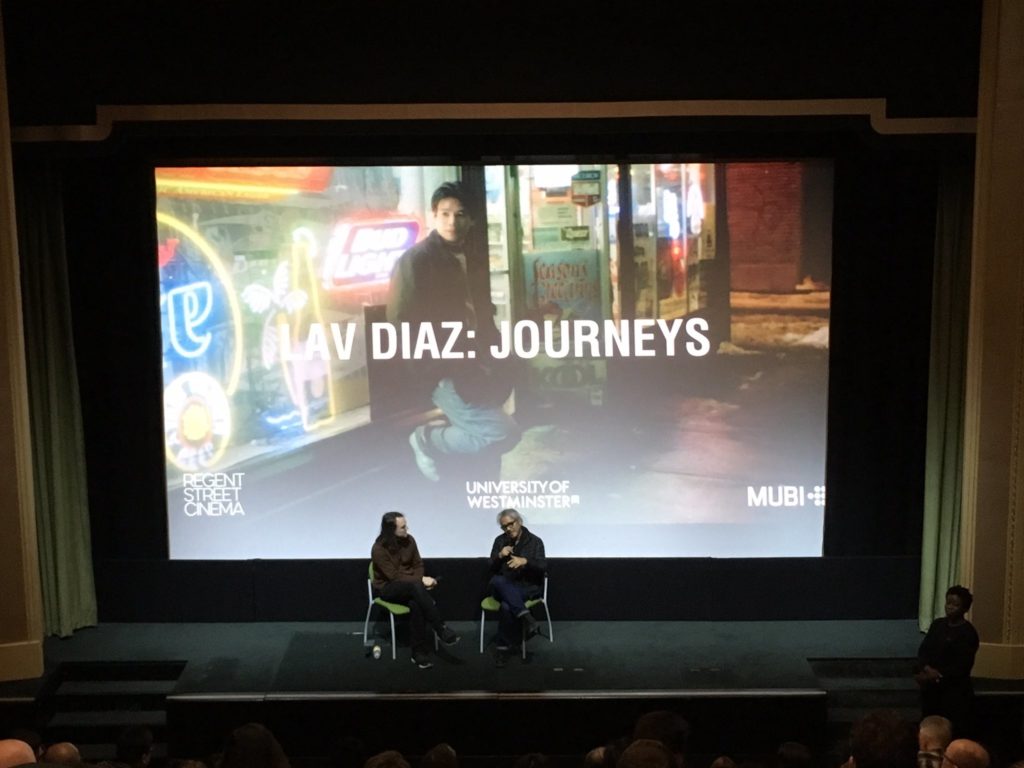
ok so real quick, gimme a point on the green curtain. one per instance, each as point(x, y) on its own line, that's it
point(58, 454)
point(940, 542)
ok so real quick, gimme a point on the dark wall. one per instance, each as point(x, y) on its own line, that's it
point(206, 52)
point(578, 589)
point(923, 58)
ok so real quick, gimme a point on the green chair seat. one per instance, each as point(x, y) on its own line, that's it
point(396, 608)
point(393, 609)
point(490, 605)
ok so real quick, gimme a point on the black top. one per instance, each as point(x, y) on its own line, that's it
point(527, 545)
point(430, 286)
point(950, 648)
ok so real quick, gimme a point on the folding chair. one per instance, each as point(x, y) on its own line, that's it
point(489, 604)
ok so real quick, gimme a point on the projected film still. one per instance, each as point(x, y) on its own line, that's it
point(634, 356)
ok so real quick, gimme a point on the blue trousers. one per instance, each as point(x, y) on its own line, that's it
point(472, 428)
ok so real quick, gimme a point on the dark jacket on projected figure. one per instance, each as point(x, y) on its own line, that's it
point(429, 284)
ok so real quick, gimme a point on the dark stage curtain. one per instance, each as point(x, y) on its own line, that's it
point(940, 546)
point(58, 452)
point(883, 256)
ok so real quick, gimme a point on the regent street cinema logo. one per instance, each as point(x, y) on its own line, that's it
point(212, 494)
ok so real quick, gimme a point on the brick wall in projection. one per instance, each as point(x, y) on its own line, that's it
point(765, 219)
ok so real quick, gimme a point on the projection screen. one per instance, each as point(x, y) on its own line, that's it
point(633, 355)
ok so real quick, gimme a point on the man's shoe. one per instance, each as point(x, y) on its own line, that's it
point(501, 654)
point(421, 660)
point(448, 636)
point(530, 626)
point(424, 463)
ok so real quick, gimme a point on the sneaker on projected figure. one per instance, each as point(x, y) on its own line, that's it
point(425, 464)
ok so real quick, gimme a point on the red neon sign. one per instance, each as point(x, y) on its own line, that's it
point(361, 252)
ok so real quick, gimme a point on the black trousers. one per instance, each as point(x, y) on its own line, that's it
point(422, 609)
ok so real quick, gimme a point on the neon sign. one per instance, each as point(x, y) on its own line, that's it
point(291, 303)
point(224, 277)
point(188, 308)
point(197, 408)
point(197, 421)
point(365, 251)
point(248, 183)
point(307, 382)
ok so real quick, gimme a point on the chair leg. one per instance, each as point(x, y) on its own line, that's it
point(394, 649)
point(483, 618)
point(366, 625)
point(551, 628)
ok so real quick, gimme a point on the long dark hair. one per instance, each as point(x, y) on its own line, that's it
point(387, 536)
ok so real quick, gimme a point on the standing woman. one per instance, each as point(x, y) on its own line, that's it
point(946, 657)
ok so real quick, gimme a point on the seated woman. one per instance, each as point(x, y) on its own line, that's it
point(946, 657)
point(398, 577)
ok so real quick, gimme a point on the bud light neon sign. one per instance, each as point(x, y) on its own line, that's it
point(365, 251)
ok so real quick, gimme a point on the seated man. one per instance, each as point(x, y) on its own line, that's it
point(443, 282)
point(398, 577)
point(518, 565)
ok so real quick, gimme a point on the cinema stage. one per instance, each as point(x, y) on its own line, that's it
point(744, 686)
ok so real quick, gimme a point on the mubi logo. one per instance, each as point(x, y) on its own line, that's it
point(785, 496)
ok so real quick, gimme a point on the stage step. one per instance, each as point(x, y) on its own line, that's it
point(863, 667)
point(867, 683)
point(108, 718)
point(76, 695)
point(94, 702)
point(121, 670)
point(840, 716)
point(116, 687)
point(868, 699)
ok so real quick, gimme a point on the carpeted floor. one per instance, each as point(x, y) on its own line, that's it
point(587, 656)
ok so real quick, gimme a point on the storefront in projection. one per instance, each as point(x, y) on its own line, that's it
point(287, 429)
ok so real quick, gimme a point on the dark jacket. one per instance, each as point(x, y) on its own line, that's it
point(430, 285)
point(527, 545)
point(402, 564)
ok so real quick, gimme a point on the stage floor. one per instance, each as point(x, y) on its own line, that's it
point(784, 680)
point(591, 658)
